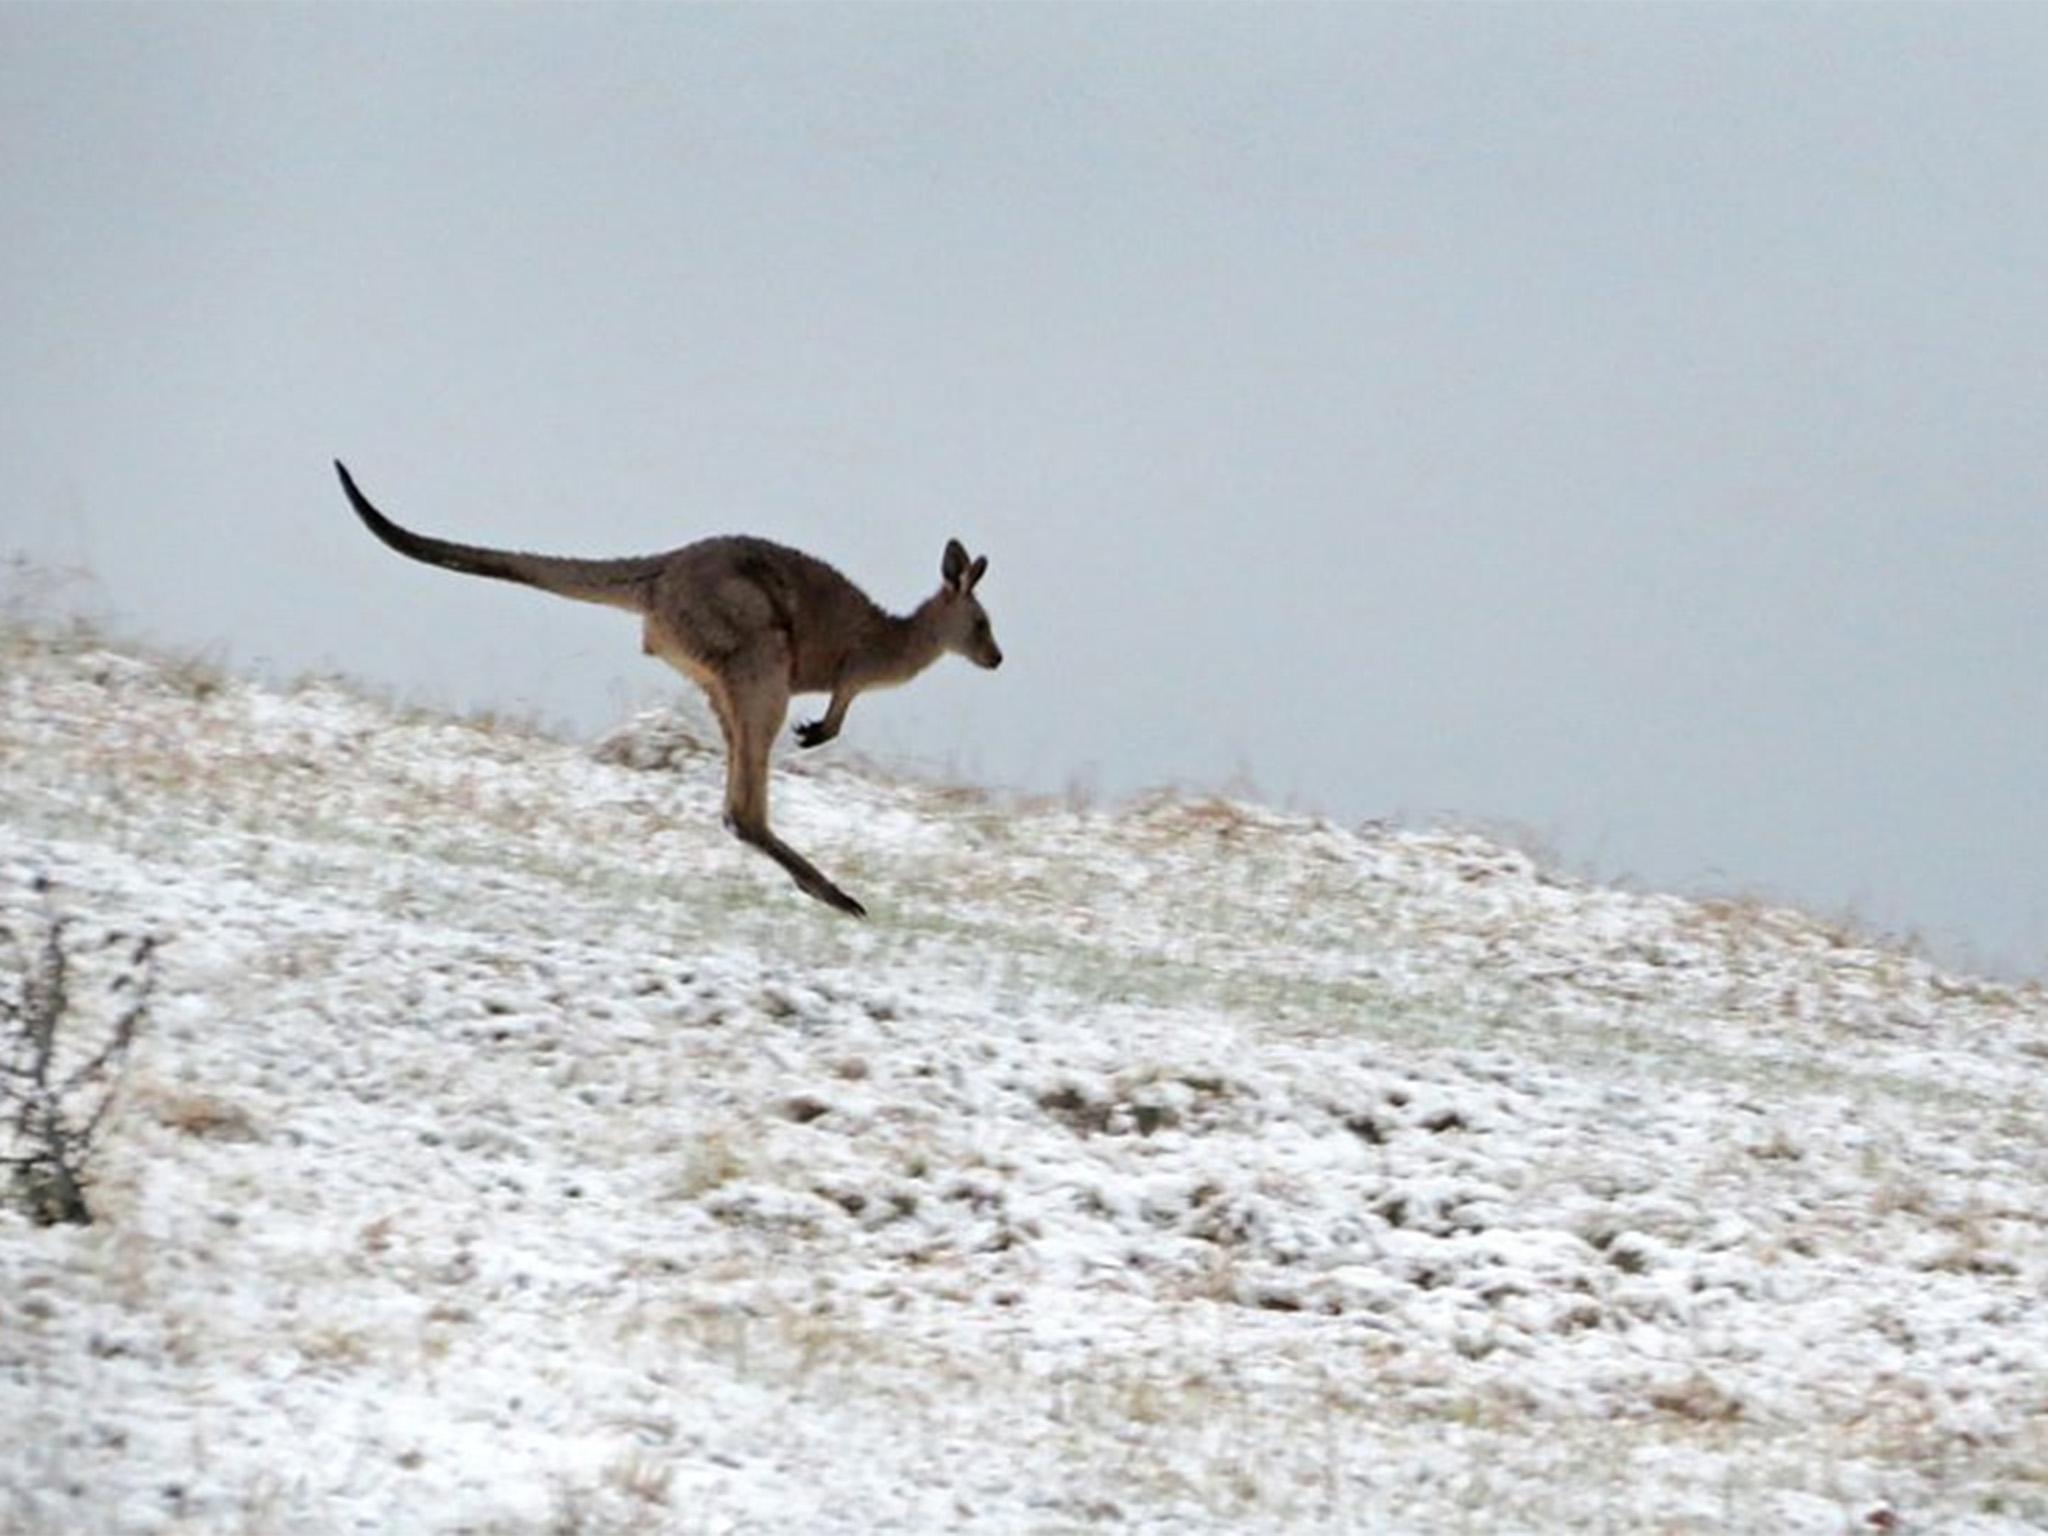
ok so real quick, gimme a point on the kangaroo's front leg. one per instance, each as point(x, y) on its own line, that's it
point(815, 733)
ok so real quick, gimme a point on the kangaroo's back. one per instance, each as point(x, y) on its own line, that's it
point(720, 594)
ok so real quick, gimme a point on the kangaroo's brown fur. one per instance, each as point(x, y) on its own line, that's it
point(750, 622)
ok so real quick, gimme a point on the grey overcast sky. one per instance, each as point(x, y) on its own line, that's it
point(1626, 424)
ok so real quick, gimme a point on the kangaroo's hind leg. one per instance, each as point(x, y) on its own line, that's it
point(661, 641)
point(760, 700)
point(750, 696)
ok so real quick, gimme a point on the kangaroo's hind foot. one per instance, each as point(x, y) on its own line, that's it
point(809, 878)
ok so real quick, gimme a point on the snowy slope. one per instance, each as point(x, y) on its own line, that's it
point(512, 1152)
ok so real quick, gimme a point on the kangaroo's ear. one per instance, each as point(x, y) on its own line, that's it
point(953, 568)
point(976, 571)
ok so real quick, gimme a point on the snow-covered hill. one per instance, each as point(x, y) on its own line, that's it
point(512, 1152)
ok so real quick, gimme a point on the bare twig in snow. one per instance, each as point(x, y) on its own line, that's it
point(54, 1108)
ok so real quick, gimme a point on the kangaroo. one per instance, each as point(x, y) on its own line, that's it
point(750, 622)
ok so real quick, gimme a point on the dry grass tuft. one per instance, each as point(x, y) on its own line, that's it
point(1698, 1398)
point(641, 1478)
point(203, 1116)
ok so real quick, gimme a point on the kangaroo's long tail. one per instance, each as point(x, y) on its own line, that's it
point(619, 583)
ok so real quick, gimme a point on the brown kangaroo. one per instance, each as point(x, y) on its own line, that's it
point(750, 623)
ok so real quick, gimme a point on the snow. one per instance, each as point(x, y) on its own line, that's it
point(511, 1151)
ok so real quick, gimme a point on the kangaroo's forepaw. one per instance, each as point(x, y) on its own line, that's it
point(812, 733)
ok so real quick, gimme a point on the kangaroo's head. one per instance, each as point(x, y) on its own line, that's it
point(963, 625)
